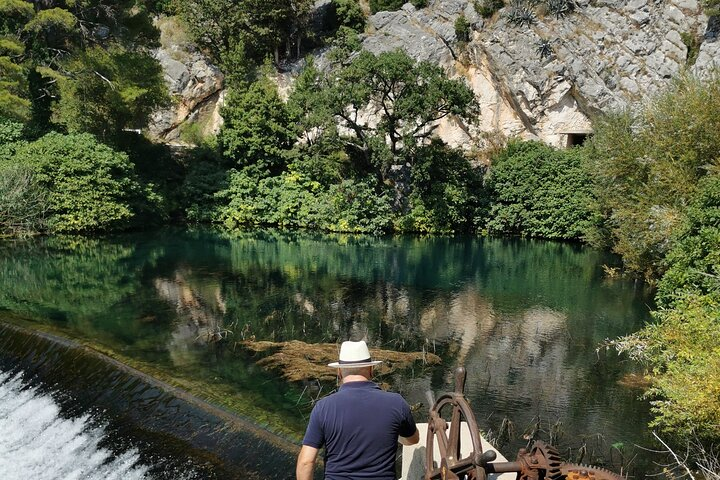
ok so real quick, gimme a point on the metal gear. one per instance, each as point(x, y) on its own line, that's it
point(573, 471)
point(542, 462)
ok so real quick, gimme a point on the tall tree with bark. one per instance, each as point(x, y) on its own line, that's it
point(388, 102)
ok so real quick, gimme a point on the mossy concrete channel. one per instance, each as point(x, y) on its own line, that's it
point(184, 425)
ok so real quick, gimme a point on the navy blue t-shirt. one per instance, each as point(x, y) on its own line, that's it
point(359, 426)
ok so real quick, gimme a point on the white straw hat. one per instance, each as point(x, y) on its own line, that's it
point(354, 354)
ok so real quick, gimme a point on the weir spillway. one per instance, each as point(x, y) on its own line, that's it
point(50, 387)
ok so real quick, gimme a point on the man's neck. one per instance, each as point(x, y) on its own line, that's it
point(355, 378)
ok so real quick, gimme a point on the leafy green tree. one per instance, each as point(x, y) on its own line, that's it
point(646, 168)
point(256, 131)
point(14, 94)
point(262, 26)
point(658, 193)
point(406, 98)
point(109, 90)
point(348, 13)
point(91, 188)
point(538, 191)
point(91, 55)
point(447, 192)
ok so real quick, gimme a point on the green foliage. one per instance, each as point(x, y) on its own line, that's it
point(684, 355)
point(288, 200)
point(205, 177)
point(348, 13)
point(359, 206)
point(647, 168)
point(385, 5)
point(392, 5)
point(256, 131)
point(52, 22)
point(462, 29)
point(14, 101)
point(408, 99)
point(110, 90)
point(693, 265)
point(14, 14)
point(487, 8)
point(682, 347)
point(712, 7)
point(262, 26)
point(447, 192)
point(538, 191)
point(658, 192)
point(693, 42)
point(91, 188)
point(23, 202)
point(10, 132)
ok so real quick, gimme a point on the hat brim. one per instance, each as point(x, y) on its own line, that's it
point(354, 365)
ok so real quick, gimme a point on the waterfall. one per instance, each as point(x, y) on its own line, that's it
point(37, 442)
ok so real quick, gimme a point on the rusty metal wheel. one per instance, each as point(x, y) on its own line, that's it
point(447, 438)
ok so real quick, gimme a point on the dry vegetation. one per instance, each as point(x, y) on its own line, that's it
point(298, 361)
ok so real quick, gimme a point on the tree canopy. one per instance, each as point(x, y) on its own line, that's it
point(386, 101)
point(83, 65)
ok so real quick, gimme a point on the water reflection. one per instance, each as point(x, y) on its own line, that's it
point(525, 317)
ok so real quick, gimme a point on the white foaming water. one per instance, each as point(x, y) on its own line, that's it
point(36, 443)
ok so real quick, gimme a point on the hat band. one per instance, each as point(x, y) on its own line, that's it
point(342, 362)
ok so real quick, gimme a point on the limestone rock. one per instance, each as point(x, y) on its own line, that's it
point(607, 54)
point(194, 83)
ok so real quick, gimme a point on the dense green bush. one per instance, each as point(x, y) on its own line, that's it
point(693, 264)
point(23, 202)
point(538, 191)
point(348, 13)
point(646, 168)
point(358, 206)
point(682, 351)
point(447, 192)
point(392, 5)
point(462, 29)
point(10, 132)
point(486, 8)
point(712, 7)
point(658, 193)
point(91, 188)
point(257, 130)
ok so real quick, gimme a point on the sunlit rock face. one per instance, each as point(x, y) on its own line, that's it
point(606, 55)
point(195, 86)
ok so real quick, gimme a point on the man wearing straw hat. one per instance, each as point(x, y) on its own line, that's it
point(359, 425)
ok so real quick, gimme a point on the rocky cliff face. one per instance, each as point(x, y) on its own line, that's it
point(195, 86)
point(605, 55)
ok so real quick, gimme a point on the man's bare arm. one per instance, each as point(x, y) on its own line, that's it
point(411, 440)
point(306, 462)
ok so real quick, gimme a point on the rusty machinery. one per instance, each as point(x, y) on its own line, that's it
point(540, 462)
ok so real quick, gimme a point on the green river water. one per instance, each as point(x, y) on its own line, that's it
point(524, 317)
